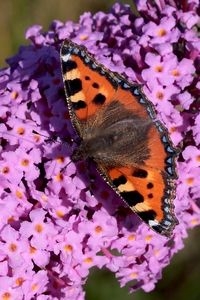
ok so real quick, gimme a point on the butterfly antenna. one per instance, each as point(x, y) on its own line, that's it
point(55, 139)
point(48, 139)
point(63, 169)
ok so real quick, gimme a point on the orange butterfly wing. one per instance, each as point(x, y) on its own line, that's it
point(148, 189)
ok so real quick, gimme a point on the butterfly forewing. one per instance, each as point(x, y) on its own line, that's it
point(85, 91)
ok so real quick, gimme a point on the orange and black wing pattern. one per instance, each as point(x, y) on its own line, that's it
point(149, 189)
point(146, 185)
point(82, 78)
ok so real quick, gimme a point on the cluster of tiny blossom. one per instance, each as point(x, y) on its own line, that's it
point(52, 230)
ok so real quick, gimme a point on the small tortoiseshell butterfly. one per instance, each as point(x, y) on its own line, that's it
point(118, 130)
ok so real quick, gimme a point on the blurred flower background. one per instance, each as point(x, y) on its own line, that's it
point(181, 278)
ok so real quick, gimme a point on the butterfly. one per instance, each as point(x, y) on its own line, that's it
point(118, 129)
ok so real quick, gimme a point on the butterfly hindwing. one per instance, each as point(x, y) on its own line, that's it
point(147, 193)
point(117, 125)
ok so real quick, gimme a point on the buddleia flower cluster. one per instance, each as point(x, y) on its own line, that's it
point(53, 230)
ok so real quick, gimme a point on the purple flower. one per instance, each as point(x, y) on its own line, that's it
point(164, 32)
point(5, 289)
point(53, 231)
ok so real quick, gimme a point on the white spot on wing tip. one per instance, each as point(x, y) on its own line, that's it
point(66, 57)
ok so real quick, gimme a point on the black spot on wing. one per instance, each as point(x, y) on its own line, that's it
point(150, 196)
point(150, 185)
point(95, 85)
point(79, 105)
point(159, 229)
point(87, 77)
point(120, 180)
point(73, 86)
point(140, 173)
point(147, 215)
point(99, 99)
point(132, 198)
point(69, 66)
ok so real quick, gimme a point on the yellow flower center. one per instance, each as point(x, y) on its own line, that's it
point(60, 213)
point(38, 228)
point(133, 275)
point(131, 237)
point(159, 69)
point(19, 281)
point(98, 229)
point(68, 248)
point(25, 162)
point(6, 296)
point(60, 159)
point(14, 95)
point(198, 158)
point(88, 260)
point(59, 177)
point(32, 250)
point(148, 238)
point(20, 130)
point(13, 247)
point(19, 194)
point(161, 32)
point(159, 95)
point(175, 73)
point(34, 287)
point(5, 170)
point(190, 180)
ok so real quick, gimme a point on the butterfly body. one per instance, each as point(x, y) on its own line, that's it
point(118, 130)
point(115, 137)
